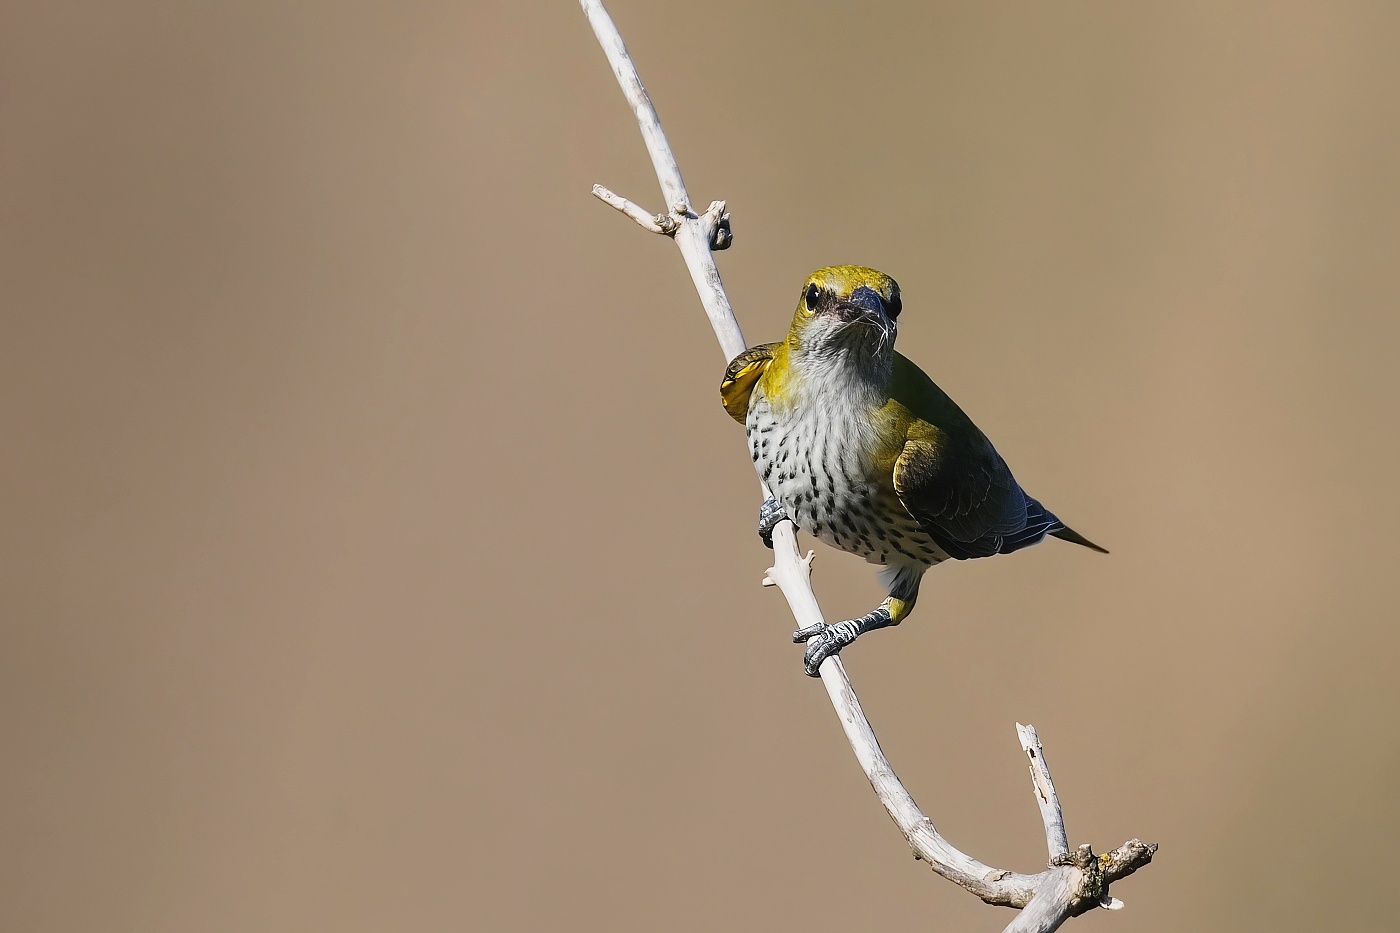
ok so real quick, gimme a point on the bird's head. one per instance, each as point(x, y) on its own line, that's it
point(846, 314)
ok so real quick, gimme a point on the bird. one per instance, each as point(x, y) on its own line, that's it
point(860, 448)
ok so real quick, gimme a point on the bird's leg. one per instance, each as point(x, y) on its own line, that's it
point(770, 513)
point(824, 640)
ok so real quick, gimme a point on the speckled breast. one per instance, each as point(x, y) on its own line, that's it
point(817, 460)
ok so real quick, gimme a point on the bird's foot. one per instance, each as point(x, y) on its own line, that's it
point(770, 513)
point(825, 641)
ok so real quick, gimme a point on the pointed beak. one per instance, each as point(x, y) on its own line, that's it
point(864, 303)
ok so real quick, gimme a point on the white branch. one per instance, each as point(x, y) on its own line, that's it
point(694, 235)
point(1050, 813)
point(656, 223)
point(1076, 881)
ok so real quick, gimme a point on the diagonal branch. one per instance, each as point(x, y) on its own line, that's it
point(1050, 813)
point(1076, 881)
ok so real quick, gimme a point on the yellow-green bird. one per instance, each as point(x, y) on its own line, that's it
point(860, 448)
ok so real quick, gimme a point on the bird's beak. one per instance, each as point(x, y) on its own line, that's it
point(864, 304)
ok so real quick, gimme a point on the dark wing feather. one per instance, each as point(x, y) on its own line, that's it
point(950, 477)
point(965, 497)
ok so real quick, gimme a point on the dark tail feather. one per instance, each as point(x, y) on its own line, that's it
point(1065, 533)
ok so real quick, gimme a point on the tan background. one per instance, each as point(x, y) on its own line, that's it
point(376, 555)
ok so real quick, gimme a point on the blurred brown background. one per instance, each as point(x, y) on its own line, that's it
point(377, 556)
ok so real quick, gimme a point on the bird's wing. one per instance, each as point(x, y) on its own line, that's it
point(740, 377)
point(952, 480)
point(967, 502)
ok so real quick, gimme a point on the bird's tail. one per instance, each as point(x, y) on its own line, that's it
point(1039, 522)
point(1066, 533)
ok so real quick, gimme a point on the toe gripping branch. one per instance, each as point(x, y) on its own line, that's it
point(823, 640)
point(770, 513)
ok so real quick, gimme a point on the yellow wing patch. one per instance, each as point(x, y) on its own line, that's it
point(741, 376)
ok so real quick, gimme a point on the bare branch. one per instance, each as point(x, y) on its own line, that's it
point(792, 575)
point(656, 223)
point(1045, 797)
point(693, 234)
point(1076, 881)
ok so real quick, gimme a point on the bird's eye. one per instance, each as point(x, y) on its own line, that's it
point(811, 297)
point(894, 306)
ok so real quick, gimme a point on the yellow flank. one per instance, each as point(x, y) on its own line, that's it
point(780, 379)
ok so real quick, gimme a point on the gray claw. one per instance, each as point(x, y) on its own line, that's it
point(770, 513)
point(824, 641)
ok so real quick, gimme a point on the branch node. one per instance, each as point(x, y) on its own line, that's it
point(717, 228)
point(1127, 858)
